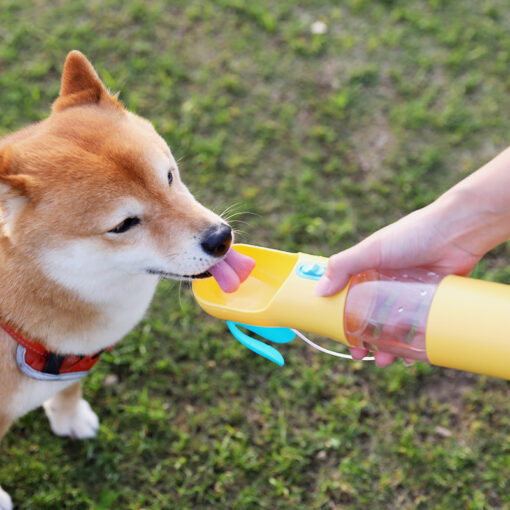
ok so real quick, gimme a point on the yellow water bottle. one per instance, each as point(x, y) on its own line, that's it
point(450, 321)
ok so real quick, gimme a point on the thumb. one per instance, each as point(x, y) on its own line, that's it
point(345, 264)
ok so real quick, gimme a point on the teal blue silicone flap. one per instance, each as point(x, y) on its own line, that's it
point(276, 335)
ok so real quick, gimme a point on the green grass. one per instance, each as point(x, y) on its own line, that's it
point(318, 140)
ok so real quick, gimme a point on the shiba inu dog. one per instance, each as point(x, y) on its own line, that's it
point(92, 213)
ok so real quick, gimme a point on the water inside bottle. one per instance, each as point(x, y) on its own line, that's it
point(387, 311)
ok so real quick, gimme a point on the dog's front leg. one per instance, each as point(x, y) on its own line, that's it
point(71, 415)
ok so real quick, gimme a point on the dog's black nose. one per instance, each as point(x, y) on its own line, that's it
point(217, 240)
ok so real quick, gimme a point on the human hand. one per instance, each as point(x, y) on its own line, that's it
point(427, 238)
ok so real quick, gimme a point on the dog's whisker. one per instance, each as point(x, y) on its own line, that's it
point(233, 204)
point(232, 215)
point(235, 222)
point(233, 209)
point(235, 218)
point(227, 210)
point(251, 213)
point(221, 214)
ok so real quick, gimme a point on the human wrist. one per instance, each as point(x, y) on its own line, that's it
point(472, 218)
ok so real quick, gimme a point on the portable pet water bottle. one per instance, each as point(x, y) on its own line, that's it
point(450, 321)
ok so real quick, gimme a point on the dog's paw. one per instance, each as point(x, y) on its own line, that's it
point(80, 423)
point(5, 500)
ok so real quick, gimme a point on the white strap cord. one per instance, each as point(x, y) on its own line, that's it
point(327, 351)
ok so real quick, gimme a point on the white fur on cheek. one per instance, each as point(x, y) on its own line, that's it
point(108, 278)
point(97, 273)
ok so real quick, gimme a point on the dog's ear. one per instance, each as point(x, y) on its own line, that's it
point(81, 85)
point(14, 190)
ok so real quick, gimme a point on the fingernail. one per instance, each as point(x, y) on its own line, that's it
point(321, 289)
point(408, 363)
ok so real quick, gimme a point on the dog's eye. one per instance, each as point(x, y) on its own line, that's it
point(170, 177)
point(125, 225)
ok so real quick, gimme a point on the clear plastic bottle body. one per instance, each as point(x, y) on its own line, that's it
point(387, 311)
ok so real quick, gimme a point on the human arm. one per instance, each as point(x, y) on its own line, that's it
point(448, 236)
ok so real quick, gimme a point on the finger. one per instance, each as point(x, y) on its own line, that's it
point(358, 353)
point(345, 264)
point(383, 359)
point(408, 362)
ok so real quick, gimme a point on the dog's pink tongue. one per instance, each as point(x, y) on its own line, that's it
point(232, 270)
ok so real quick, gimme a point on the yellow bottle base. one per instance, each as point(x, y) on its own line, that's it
point(468, 326)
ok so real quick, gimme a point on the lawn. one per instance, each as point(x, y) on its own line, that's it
point(314, 140)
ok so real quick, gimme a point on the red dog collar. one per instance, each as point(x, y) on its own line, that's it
point(38, 363)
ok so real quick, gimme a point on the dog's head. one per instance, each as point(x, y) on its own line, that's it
point(94, 192)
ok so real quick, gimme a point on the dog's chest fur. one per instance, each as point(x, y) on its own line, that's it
point(126, 307)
